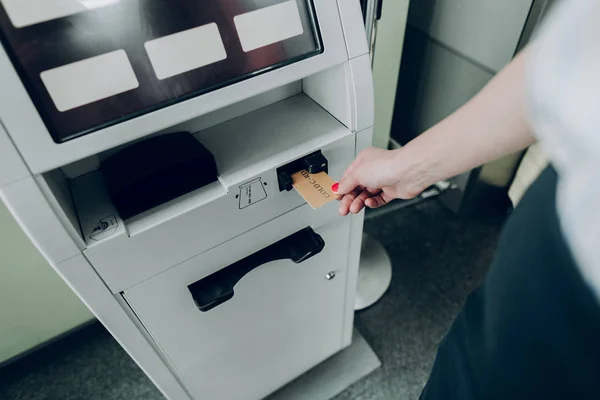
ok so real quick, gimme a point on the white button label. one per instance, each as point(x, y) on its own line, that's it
point(184, 51)
point(29, 12)
point(86, 81)
point(268, 25)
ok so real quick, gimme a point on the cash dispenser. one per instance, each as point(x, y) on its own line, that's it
point(147, 149)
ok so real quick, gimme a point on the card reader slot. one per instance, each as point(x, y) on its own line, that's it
point(313, 163)
point(217, 288)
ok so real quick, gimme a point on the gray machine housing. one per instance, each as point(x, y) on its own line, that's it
point(134, 273)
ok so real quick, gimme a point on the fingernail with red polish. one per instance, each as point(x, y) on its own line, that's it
point(335, 187)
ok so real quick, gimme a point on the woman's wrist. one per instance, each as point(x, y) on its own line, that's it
point(412, 170)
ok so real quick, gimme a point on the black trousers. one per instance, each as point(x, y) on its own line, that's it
point(532, 330)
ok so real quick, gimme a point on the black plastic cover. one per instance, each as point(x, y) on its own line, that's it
point(149, 173)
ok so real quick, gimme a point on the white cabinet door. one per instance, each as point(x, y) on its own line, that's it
point(283, 318)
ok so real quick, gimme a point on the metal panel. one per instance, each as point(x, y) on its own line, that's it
point(434, 82)
point(12, 167)
point(356, 38)
point(486, 31)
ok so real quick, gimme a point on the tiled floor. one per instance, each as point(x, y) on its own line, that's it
point(437, 259)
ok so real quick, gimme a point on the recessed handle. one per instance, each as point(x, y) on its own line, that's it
point(217, 288)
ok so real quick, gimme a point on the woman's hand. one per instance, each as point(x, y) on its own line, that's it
point(377, 177)
point(492, 124)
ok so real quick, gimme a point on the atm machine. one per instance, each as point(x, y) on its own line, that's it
point(146, 148)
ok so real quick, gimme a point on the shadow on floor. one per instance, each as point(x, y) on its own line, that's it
point(437, 258)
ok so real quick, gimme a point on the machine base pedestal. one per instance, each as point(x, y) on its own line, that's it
point(333, 375)
point(374, 274)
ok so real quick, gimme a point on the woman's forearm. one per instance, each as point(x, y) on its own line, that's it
point(489, 126)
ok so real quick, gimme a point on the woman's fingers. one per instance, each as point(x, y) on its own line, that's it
point(374, 191)
point(359, 202)
point(360, 197)
point(347, 200)
point(347, 184)
point(349, 180)
point(371, 202)
point(375, 201)
point(352, 166)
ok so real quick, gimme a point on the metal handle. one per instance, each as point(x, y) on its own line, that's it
point(217, 288)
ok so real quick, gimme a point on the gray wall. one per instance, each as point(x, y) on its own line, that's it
point(484, 31)
point(452, 49)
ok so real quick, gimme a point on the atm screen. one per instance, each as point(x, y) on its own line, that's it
point(88, 64)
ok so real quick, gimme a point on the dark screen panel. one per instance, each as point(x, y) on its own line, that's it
point(127, 25)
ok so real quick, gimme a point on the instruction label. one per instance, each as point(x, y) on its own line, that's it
point(105, 228)
point(251, 193)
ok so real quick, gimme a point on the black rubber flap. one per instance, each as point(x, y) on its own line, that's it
point(149, 173)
